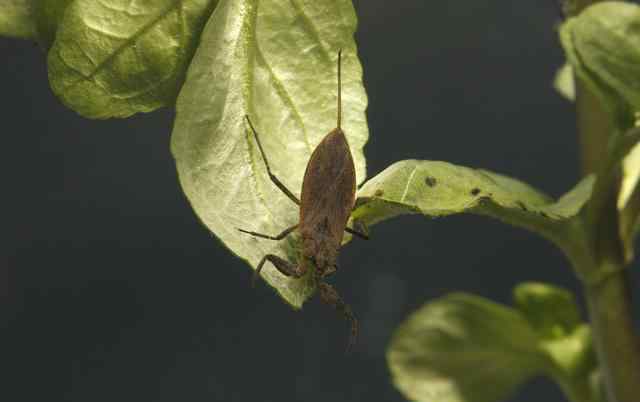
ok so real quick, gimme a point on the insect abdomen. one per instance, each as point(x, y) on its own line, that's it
point(328, 188)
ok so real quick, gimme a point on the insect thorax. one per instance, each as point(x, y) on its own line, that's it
point(321, 251)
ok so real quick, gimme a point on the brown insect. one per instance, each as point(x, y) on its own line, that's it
point(328, 197)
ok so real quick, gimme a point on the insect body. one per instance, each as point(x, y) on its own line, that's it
point(328, 197)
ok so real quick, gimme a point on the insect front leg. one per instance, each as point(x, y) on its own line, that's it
point(282, 265)
point(279, 236)
point(331, 297)
point(273, 177)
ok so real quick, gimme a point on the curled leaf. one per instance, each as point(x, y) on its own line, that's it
point(602, 44)
point(439, 188)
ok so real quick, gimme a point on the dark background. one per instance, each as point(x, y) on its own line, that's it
point(110, 288)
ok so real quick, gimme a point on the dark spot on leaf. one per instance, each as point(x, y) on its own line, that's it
point(475, 191)
point(522, 206)
point(544, 215)
point(430, 181)
point(379, 193)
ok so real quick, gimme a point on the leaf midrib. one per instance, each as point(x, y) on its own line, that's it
point(128, 42)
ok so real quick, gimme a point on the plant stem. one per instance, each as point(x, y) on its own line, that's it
point(616, 344)
point(577, 391)
point(608, 298)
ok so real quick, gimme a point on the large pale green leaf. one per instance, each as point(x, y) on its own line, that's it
point(602, 44)
point(114, 58)
point(276, 61)
point(463, 348)
point(439, 188)
point(16, 18)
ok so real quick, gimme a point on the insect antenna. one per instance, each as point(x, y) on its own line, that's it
point(339, 87)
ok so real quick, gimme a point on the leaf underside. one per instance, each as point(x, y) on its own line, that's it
point(114, 58)
point(463, 348)
point(453, 347)
point(434, 188)
point(275, 61)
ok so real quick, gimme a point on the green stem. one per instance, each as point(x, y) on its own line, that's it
point(575, 389)
point(616, 344)
point(601, 264)
point(606, 286)
point(607, 292)
point(577, 392)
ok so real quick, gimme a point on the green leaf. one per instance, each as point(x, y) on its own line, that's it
point(275, 62)
point(551, 311)
point(564, 82)
point(114, 58)
point(572, 355)
point(463, 348)
point(440, 188)
point(48, 14)
point(602, 44)
point(453, 347)
point(16, 19)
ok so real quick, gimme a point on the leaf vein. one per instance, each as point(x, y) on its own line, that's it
point(249, 44)
point(143, 30)
point(308, 24)
point(286, 97)
point(406, 188)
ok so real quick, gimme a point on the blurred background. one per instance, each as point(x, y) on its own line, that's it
point(110, 288)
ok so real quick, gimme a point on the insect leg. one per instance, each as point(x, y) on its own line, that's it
point(359, 229)
point(329, 296)
point(279, 236)
point(273, 177)
point(282, 265)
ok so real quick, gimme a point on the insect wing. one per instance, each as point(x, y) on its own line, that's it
point(328, 188)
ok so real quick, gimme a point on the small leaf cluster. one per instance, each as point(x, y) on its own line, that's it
point(466, 348)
